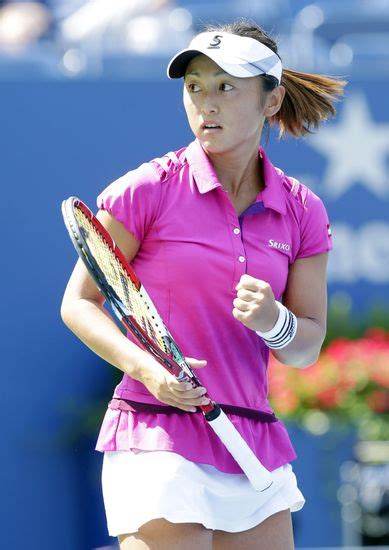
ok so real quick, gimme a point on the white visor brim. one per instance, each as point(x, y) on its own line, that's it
point(252, 59)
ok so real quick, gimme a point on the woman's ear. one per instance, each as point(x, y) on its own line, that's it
point(274, 101)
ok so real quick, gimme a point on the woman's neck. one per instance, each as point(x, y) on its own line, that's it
point(239, 172)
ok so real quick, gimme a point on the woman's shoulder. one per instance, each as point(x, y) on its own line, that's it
point(298, 193)
point(149, 174)
point(157, 170)
point(170, 163)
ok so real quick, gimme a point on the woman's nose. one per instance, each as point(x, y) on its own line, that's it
point(211, 108)
point(209, 105)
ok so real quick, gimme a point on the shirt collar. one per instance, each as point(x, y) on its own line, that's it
point(206, 179)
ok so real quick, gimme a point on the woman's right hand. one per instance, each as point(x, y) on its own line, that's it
point(166, 388)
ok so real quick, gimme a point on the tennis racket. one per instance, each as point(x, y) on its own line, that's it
point(129, 300)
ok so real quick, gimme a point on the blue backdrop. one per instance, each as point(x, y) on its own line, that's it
point(71, 138)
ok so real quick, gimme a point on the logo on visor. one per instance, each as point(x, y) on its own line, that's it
point(215, 42)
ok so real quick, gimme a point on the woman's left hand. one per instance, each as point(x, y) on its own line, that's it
point(255, 305)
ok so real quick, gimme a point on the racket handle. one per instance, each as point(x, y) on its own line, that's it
point(259, 477)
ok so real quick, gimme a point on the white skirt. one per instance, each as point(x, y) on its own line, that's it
point(139, 486)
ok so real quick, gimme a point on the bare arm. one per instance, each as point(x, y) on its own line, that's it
point(305, 295)
point(83, 312)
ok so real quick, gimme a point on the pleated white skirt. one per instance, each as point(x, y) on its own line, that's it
point(139, 486)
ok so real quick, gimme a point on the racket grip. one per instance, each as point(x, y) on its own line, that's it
point(259, 477)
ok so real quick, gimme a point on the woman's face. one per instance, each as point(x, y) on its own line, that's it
point(235, 105)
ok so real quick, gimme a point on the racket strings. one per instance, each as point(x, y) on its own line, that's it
point(138, 305)
point(118, 279)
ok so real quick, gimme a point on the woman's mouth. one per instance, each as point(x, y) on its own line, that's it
point(210, 127)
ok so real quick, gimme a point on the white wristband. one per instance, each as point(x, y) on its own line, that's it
point(283, 331)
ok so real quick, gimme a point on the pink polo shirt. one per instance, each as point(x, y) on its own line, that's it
point(194, 250)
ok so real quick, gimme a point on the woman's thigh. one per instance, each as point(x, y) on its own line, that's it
point(275, 532)
point(160, 534)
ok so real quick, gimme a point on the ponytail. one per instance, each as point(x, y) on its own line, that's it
point(308, 101)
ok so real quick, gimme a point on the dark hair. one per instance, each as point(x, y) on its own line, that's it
point(308, 97)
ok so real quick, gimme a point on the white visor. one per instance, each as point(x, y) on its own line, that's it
point(239, 56)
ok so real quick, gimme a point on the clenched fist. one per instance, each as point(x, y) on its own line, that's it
point(255, 305)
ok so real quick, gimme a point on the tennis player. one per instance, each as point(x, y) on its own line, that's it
point(233, 252)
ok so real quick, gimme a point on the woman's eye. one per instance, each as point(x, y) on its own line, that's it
point(193, 87)
point(226, 87)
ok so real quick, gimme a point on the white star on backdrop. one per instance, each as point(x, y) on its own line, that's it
point(356, 148)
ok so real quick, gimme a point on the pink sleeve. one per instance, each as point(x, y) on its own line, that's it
point(133, 199)
point(315, 231)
